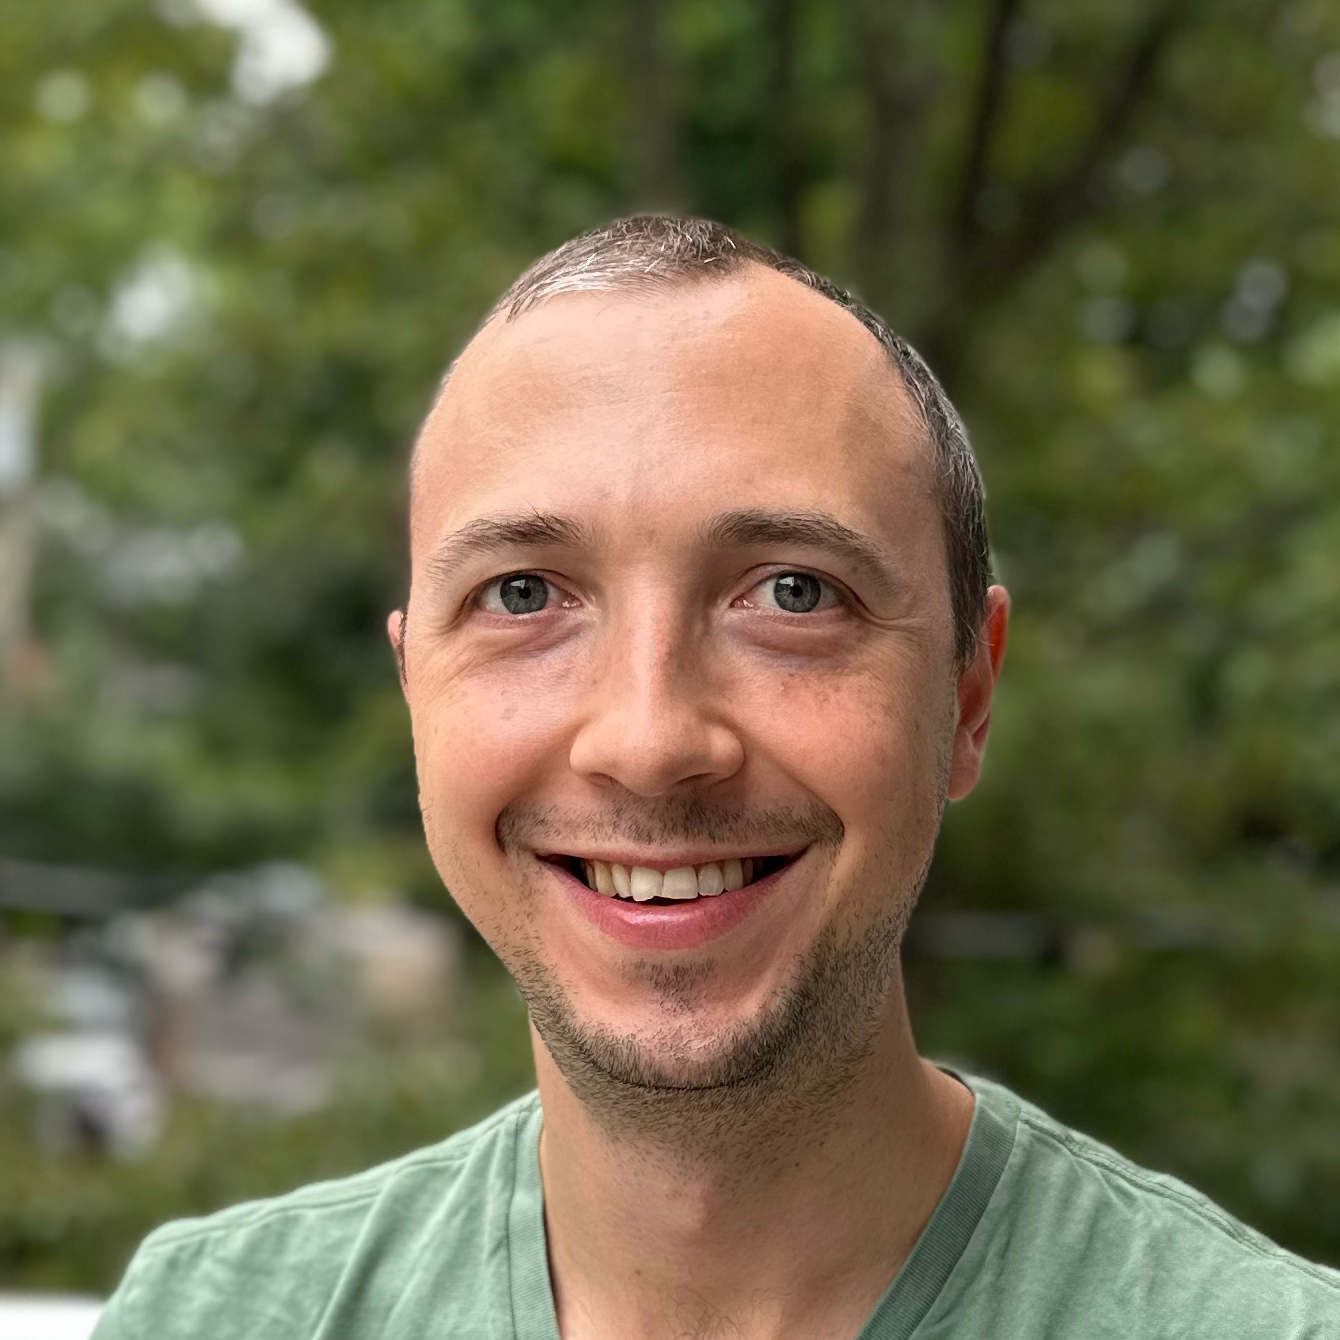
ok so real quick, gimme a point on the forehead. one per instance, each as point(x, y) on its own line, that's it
point(750, 391)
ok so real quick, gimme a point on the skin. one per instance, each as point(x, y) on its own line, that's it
point(662, 706)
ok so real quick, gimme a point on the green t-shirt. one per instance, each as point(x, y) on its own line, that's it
point(1042, 1234)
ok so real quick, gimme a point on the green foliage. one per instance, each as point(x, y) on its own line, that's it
point(1132, 292)
point(70, 1222)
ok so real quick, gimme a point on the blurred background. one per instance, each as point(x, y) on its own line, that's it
point(240, 239)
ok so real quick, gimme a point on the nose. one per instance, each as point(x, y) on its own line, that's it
point(654, 719)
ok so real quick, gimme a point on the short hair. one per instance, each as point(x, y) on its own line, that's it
point(657, 252)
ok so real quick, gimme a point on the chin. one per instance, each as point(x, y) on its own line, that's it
point(675, 1037)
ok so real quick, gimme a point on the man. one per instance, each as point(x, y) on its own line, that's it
point(700, 641)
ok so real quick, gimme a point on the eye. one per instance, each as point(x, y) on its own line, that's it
point(794, 593)
point(517, 593)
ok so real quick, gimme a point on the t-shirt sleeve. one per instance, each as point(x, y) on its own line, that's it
point(414, 1247)
point(212, 1286)
point(125, 1317)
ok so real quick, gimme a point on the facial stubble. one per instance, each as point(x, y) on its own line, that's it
point(785, 1067)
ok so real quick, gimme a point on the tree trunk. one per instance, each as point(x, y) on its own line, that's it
point(656, 179)
point(782, 129)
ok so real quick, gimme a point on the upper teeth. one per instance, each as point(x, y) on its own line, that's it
point(687, 881)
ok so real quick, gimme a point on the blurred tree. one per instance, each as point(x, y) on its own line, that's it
point(249, 252)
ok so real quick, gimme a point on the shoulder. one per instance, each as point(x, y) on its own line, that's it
point(1156, 1254)
point(271, 1267)
point(464, 1161)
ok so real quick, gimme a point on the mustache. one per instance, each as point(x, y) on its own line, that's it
point(639, 821)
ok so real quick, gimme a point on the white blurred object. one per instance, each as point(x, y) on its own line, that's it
point(280, 45)
point(153, 302)
point(22, 363)
point(97, 1088)
point(34, 1317)
point(167, 566)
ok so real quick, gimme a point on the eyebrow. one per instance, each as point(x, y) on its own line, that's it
point(493, 534)
point(738, 528)
point(811, 530)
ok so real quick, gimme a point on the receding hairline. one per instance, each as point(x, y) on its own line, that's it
point(655, 285)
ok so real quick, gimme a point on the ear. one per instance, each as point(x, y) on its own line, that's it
point(395, 630)
point(976, 684)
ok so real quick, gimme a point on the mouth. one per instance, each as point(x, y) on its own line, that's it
point(666, 887)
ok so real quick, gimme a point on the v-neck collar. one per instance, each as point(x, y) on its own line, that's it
point(958, 1212)
point(904, 1303)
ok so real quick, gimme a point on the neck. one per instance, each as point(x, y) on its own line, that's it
point(791, 1229)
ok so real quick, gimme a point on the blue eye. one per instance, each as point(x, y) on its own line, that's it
point(797, 592)
point(518, 593)
point(794, 593)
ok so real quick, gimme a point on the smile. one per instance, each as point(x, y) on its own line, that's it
point(645, 884)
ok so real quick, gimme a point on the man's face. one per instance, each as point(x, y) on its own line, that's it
point(679, 600)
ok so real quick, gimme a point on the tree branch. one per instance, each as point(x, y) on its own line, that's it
point(782, 129)
point(898, 87)
point(986, 265)
point(655, 166)
point(986, 117)
point(1058, 205)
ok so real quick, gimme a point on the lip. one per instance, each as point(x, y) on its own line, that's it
point(665, 926)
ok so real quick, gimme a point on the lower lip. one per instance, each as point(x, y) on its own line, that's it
point(686, 925)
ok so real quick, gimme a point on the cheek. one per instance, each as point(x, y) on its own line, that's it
point(856, 735)
point(482, 741)
point(870, 744)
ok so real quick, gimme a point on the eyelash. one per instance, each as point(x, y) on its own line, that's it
point(840, 598)
point(567, 600)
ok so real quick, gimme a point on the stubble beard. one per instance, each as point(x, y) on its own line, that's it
point(730, 1098)
point(788, 1068)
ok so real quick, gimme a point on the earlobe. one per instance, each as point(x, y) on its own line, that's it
point(976, 685)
